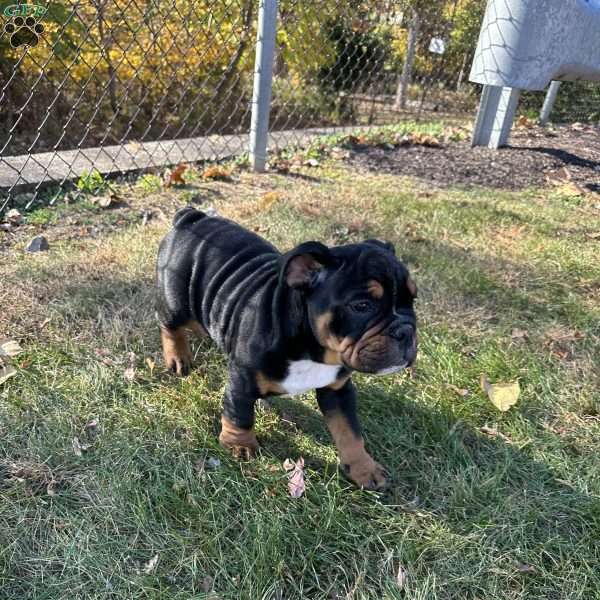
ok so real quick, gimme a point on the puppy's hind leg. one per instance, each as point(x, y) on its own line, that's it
point(176, 350)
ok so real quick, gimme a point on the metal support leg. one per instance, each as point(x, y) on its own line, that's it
point(549, 102)
point(263, 76)
point(495, 117)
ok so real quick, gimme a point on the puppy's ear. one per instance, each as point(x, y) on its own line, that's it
point(300, 265)
point(383, 245)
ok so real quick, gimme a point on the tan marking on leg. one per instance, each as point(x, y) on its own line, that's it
point(339, 383)
point(356, 461)
point(176, 350)
point(268, 386)
point(241, 442)
point(375, 289)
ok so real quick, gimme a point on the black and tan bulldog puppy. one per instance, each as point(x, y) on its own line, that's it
point(306, 319)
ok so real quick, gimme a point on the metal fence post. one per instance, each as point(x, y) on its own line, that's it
point(549, 102)
point(263, 77)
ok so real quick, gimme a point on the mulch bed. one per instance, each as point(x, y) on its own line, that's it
point(534, 158)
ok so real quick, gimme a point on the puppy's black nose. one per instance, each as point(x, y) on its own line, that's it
point(401, 331)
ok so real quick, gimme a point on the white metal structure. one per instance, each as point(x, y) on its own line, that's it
point(526, 44)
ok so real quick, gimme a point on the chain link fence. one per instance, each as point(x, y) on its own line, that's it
point(576, 102)
point(128, 86)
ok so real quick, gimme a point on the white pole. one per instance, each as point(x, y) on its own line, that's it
point(549, 102)
point(263, 77)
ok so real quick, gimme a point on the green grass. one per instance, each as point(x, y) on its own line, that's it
point(471, 514)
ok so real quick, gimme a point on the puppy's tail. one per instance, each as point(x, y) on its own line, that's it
point(187, 216)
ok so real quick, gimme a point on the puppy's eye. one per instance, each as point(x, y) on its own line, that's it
point(361, 306)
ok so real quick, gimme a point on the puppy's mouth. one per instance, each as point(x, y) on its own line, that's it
point(381, 350)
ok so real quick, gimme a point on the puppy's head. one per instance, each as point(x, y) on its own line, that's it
point(360, 303)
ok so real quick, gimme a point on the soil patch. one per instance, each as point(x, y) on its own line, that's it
point(535, 157)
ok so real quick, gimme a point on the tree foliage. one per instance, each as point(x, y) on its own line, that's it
point(106, 71)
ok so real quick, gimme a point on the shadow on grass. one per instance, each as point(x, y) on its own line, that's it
point(448, 472)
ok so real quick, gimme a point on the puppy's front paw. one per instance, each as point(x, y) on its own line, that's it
point(367, 474)
point(242, 452)
point(242, 442)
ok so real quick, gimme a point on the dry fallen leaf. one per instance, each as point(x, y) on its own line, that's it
point(570, 188)
point(401, 576)
point(77, 447)
point(10, 348)
point(175, 176)
point(462, 392)
point(207, 584)
point(105, 201)
point(558, 176)
point(216, 172)
point(339, 153)
point(151, 565)
point(296, 485)
point(525, 568)
point(502, 395)
point(422, 139)
point(6, 371)
point(151, 364)
point(526, 122)
point(491, 432)
point(14, 217)
point(519, 334)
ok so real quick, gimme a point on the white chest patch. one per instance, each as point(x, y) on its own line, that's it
point(304, 375)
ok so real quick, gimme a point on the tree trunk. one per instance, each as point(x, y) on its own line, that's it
point(106, 46)
point(409, 59)
point(230, 73)
point(461, 74)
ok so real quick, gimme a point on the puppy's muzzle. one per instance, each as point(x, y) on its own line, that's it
point(384, 349)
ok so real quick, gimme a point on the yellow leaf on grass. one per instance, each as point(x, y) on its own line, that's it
point(502, 395)
point(571, 189)
point(268, 200)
